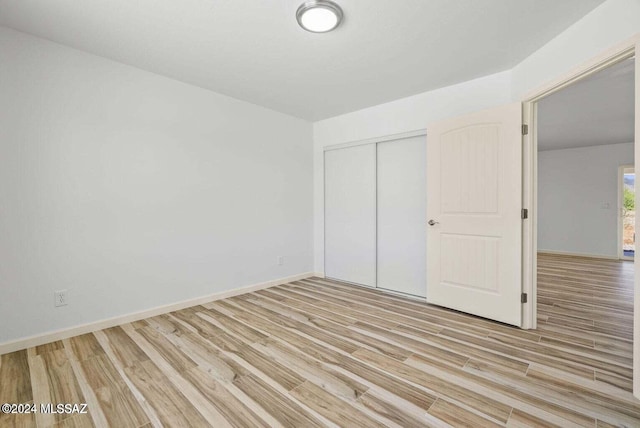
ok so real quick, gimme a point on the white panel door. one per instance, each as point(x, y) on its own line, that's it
point(474, 200)
point(350, 214)
point(402, 202)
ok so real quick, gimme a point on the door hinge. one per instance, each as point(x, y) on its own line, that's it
point(525, 213)
point(523, 298)
point(525, 129)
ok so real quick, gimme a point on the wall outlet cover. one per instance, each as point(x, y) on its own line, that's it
point(60, 297)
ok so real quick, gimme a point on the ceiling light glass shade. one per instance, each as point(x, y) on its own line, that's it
point(319, 16)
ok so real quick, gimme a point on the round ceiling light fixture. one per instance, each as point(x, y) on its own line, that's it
point(319, 16)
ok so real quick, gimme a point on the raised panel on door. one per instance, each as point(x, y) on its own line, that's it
point(350, 214)
point(474, 197)
point(401, 215)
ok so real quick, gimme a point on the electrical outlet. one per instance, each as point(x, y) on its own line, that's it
point(60, 297)
point(280, 260)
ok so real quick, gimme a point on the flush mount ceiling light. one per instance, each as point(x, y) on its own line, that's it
point(319, 16)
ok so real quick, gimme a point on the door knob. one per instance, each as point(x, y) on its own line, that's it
point(433, 222)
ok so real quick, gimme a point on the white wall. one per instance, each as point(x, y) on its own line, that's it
point(613, 22)
point(406, 114)
point(578, 198)
point(132, 190)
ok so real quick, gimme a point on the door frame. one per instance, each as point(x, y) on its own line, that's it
point(624, 50)
point(619, 208)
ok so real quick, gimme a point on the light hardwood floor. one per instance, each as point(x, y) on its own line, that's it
point(323, 353)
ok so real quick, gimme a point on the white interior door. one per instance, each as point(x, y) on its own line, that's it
point(474, 201)
point(402, 201)
point(350, 214)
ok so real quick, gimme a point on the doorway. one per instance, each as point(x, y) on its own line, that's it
point(584, 221)
point(585, 133)
point(627, 212)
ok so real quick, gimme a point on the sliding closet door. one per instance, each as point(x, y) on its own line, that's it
point(402, 210)
point(350, 214)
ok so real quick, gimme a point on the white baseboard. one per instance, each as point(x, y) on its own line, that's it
point(65, 333)
point(568, 253)
point(319, 274)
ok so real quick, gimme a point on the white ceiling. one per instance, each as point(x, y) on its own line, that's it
point(254, 50)
point(593, 111)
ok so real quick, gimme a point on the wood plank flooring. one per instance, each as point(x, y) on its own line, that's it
point(322, 353)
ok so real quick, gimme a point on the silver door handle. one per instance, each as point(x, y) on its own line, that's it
point(433, 222)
